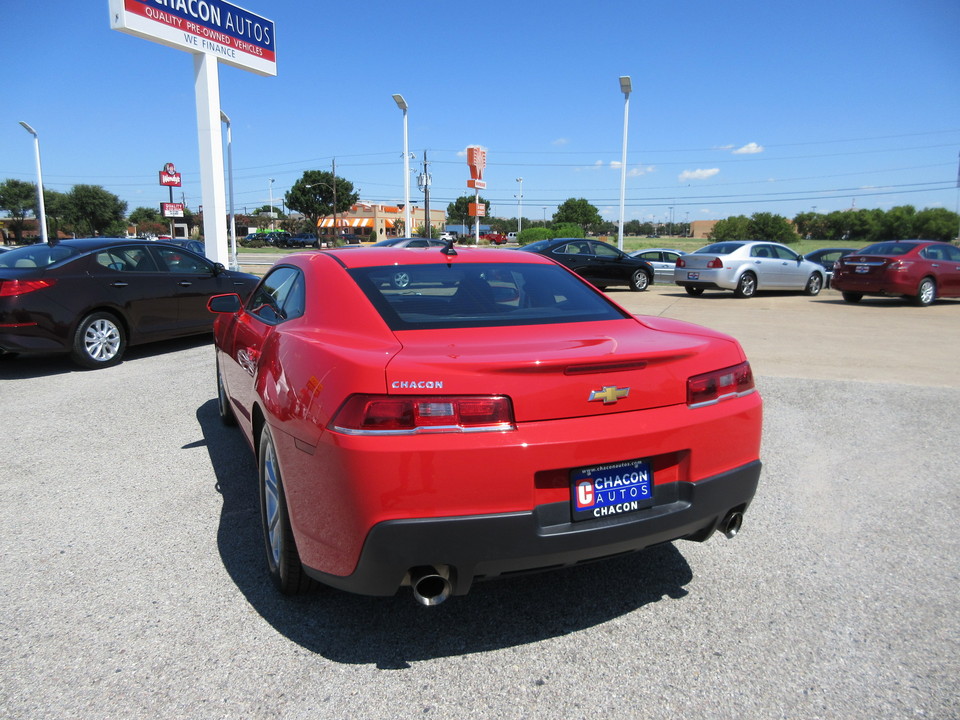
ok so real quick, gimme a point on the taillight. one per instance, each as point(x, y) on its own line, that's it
point(681, 263)
point(712, 387)
point(715, 264)
point(403, 415)
point(9, 288)
point(899, 266)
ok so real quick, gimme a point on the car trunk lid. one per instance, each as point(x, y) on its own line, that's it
point(561, 370)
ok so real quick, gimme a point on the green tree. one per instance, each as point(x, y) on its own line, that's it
point(936, 224)
point(313, 196)
point(56, 205)
point(92, 210)
point(18, 197)
point(731, 228)
point(579, 212)
point(770, 227)
point(143, 215)
point(898, 223)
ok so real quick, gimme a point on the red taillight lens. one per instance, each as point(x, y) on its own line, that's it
point(9, 288)
point(715, 264)
point(373, 414)
point(681, 263)
point(712, 387)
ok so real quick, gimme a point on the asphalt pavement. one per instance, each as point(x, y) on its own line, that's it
point(133, 583)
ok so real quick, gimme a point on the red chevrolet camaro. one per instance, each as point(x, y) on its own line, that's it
point(496, 414)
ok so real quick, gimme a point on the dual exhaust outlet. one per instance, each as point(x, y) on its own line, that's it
point(431, 586)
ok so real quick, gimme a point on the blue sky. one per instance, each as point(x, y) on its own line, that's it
point(737, 107)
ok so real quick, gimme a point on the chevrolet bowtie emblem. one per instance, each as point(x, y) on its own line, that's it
point(610, 394)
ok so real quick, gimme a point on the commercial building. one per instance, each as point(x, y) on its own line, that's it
point(380, 221)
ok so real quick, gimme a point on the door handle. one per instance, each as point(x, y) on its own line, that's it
point(184, 283)
point(119, 284)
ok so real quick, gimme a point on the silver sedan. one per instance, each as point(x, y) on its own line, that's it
point(662, 260)
point(745, 267)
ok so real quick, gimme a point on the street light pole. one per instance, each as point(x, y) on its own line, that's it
point(234, 265)
point(402, 104)
point(43, 211)
point(625, 88)
point(520, 206)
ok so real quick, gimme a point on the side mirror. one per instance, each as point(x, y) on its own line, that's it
point(224, 303)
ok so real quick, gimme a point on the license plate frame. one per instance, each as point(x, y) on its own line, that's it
point(611, 489)
point(693, 276)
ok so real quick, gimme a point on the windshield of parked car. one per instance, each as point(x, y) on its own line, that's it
point(887, 248)
point(721, 248)
point(36, 256)
point(417, 297)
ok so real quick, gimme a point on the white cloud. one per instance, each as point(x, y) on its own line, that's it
point(561, 141)
point(697, 174)
point(749, 149)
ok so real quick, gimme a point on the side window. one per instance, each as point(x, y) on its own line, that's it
point(602, 250)
point(281, 296)
point(131, 258)
point(113, 259)
point(670, 257)
point(179, 261)
point(761, 251)
point(783, 253)
point(951, 253)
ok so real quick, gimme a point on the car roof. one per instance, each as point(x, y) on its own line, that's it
point(376, 256)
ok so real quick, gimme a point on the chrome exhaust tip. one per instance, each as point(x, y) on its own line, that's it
point(731, 524)
point(430, 585)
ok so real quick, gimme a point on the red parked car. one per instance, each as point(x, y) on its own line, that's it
point(494, 238)
point(921, 270)
point(496, 414)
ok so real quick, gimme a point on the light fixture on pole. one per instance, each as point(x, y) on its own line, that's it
point(272, 181)
point(42, 219)
point(520, 206)
point(402, 104)
point(625, 88)
point(234, 264)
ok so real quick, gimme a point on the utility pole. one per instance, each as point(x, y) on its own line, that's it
point(333, 172)
point(424, 182)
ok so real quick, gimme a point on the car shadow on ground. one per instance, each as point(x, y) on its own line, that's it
point(394, 631)
point(14, 367)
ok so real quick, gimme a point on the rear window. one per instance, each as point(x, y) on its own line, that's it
point(887, 248)
point(722, 248)
point(36, 256)
point(418, 297)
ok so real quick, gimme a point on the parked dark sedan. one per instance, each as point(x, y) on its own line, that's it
point(597, 262)
point(826, 257)
point(93, 297)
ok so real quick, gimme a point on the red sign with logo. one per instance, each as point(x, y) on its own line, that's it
point(477, 160)
point(169, 176)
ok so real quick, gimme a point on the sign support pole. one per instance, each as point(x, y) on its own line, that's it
point(209, 135)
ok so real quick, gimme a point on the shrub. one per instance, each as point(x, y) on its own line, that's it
point(533, 235)
point(571, 230)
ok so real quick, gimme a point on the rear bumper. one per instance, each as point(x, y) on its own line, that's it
point(486, 546)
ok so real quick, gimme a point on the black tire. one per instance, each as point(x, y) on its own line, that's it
point(99, 342)
point(639, 281)
point(746, 286)
point(852, 297)
point(693, 291)
point(283, 560)
point(814, 284)
point(926, 292)
point(223, 402)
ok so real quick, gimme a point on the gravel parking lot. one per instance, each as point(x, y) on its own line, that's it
point(133, 584)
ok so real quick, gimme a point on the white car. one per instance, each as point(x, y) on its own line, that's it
point(745, 267)
point(662, 260)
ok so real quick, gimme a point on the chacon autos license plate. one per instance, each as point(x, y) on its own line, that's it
point(693, 276)
point(613, 489)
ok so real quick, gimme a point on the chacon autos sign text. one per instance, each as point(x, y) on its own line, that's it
point(234, 35)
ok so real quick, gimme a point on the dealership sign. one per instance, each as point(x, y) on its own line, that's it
point(213, 27)
point(477, 160)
